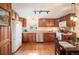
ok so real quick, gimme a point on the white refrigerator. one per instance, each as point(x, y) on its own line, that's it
point(16, 35)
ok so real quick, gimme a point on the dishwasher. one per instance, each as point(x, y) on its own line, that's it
point(39, 37)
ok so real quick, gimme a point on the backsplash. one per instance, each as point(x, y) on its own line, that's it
point(41, 29)
point(49, 29)
point(24, 29)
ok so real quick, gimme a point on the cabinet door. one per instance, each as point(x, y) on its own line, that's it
point(51, 23)
point(29, 37)
point(52, 37)
point(32, 37)
point(42, 22)
point(46, 37)
point(56, 23)
point(24, 21)
point(49, 37)
point(5, 49)
point(21, 20)
point(5, 42)
point(47, 22)
point(25, 37)
point(66, 37)
point(71, 23)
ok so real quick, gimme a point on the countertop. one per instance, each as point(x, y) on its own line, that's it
point(66, 33)
point(37, 32)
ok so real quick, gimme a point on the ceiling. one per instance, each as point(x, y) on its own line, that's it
point(56, 9)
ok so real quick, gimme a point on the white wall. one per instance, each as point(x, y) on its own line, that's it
point(32, 21)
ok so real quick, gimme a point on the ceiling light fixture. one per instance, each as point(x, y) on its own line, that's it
point(73, 7)
point(40, 11)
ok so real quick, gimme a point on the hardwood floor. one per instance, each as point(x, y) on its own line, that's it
point(36, 49)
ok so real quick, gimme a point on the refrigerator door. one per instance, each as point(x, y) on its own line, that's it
point(16, 35)
point(19, 34)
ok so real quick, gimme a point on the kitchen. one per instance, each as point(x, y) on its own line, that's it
point(37, 24)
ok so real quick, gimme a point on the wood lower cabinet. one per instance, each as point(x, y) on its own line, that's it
point(5, 32)
point(29, 37)
point(69, 37)
point(49, 37)
point(5, 48)
point(5, 41)
point(66, 37)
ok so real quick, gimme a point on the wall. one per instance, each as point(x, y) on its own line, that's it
point(26, 11)
point(77, 22)
point(33, 22)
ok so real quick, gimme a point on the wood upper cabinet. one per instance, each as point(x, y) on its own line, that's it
point(29, 37)
point(66, 23)
point(71, 23)
point(24, 21)
point(67, 19)
point(49, 37)
point(42, 23)
point(6, 6)
point(47, 22)
point(50, 23)
point(56, 23)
